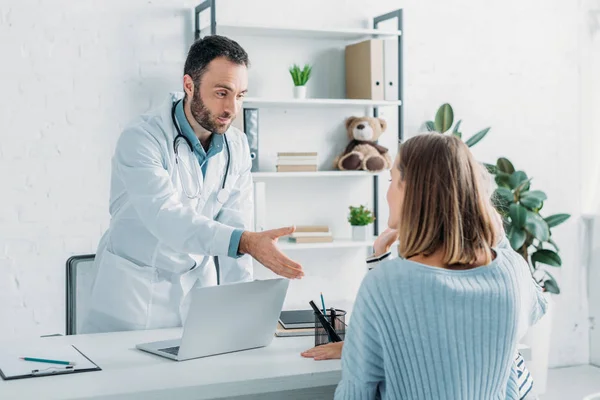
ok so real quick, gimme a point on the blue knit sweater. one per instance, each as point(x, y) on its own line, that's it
point(421, 332)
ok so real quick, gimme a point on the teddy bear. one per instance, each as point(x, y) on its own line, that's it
point(363, 153)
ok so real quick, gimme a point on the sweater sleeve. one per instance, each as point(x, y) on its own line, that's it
point(362, 356)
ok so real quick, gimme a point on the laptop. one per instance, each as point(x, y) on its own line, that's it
point(227, 318)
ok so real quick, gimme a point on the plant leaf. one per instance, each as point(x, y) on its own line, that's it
point(457, 134)
point(473, 140)
point(518, 215)
point(550, 285)
point(536, 225)
point(492, 169)
point(505, 194)
point(547, 257)
point(533, 200)
point(516, 237)
point(523, 186)
point(503, 179)
point(455, 130)
point(444, 118)
point(516, 178)
point(430, 126)
point(504, 165)
point(556, 219)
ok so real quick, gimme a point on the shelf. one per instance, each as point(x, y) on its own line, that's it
point(308, 33)
point(258, 102)
point(318, 174)
point(337, 243)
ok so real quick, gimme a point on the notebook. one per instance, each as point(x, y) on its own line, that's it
point(12, 367)
point(293, 319)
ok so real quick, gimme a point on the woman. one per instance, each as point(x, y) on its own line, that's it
point(442, 321)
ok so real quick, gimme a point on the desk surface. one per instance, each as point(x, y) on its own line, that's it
point(131, 373)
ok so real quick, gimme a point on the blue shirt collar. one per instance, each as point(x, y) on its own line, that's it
point(217, 141)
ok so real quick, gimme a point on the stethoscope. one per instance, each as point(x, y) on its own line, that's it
point(222, 195)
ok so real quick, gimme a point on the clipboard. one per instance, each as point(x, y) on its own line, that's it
point(12, 367)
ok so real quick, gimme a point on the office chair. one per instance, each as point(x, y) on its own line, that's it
point(80, 273)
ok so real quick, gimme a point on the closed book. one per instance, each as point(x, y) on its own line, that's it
point(296, 168)
point(310, 234)
point(297, 154)
point(282, 332)
point(311, 239)
point(296, 162)
point(312, 228)
point(297, 158)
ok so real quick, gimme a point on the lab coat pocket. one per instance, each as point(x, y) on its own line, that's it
point(125, 291)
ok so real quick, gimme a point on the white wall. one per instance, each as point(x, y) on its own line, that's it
point(590, 65)
point(74, 75)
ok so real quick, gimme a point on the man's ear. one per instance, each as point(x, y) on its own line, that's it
point(188, 86)
point(349, 121)
point(383, 124)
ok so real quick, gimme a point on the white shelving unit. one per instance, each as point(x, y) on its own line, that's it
point(299, 32)
point(348, 35)
point(318, 174)
point(258, 102)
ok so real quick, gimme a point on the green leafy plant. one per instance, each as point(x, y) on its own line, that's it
point(444, 118)
point(529, 233)
point(360, 216)
point(300, 75)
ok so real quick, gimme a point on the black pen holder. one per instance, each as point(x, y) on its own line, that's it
point(338, 323)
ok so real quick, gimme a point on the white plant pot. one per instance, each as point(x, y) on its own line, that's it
point(300, 92)
point(538, 340)
point(361, 233)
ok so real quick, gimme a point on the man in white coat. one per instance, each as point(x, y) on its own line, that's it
point(181, 201)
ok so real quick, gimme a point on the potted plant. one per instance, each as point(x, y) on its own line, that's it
point(300, 77)
point(360, 218)
point(529, 234)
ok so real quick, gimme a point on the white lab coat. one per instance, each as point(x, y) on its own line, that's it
point(160, 244)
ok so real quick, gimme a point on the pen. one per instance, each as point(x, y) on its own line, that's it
point(333, 319)
point(47, 361)
point(323, 303)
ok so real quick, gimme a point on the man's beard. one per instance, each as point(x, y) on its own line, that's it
point(205, 118)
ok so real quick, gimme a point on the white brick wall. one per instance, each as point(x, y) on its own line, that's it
point(74, 72)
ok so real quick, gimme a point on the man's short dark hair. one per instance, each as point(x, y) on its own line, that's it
point(206, 49)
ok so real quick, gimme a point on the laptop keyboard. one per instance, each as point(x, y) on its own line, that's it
point(170, 350)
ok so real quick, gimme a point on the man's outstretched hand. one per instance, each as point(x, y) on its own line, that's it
point(262, 246)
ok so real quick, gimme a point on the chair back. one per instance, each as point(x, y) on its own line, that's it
point(80, 278)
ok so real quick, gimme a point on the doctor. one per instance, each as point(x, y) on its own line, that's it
point(181, 202)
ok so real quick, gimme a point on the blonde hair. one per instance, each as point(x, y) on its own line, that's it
point(446, 201)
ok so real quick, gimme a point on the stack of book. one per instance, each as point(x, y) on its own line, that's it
point(297, 162)
point(296, 323)
point(311, 234)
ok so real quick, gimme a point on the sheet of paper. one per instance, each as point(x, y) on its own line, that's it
point(11, 364)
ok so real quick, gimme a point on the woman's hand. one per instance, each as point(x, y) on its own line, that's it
point(327, 351)
point(384, 241)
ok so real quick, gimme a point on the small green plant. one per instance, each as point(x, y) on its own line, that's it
point(300, 75)
point(360, 216)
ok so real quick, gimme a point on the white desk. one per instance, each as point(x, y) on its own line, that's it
point(128, 373)
point(274, 372)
